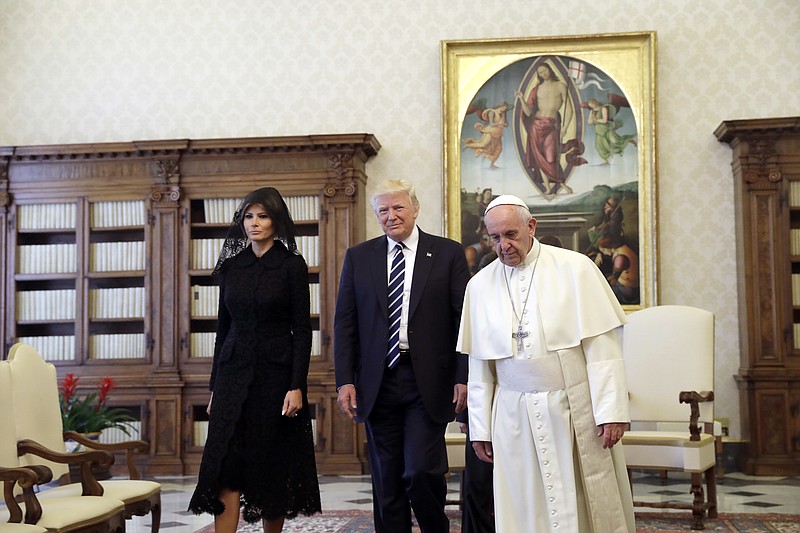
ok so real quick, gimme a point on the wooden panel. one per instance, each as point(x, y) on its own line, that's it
point(771, 411)
point(165, 437)
point(763, 213)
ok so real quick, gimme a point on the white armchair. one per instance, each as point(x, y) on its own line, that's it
point(38, 418)
point(57, 515)
point(669, 361)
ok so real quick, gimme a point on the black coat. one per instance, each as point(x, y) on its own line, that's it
point(262, 351)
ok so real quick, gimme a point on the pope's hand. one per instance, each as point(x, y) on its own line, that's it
point(612, 433)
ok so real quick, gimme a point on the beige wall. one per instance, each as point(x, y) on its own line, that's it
point(75, 71)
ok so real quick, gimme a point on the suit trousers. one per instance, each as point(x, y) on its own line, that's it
point(408, 457)
point(477, 508)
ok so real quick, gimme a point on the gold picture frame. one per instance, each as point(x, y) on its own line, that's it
point(568, 124)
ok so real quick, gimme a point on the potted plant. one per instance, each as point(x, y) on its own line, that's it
point(91, 414)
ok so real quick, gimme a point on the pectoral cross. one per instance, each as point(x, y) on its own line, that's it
point(519, 335)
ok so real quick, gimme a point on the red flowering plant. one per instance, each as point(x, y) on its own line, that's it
point(90, 414)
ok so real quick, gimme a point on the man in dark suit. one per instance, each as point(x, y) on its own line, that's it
point(406, 397)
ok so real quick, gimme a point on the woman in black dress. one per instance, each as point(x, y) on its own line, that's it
point(259, 454)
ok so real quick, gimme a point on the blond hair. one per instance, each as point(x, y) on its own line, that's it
point(392, 187)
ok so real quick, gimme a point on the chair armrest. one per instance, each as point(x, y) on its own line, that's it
point(89, 484)
point(694, 398)
point(26, 477)
point(130, 447)
point(44, 473)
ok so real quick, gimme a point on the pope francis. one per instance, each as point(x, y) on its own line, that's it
point(547, 395)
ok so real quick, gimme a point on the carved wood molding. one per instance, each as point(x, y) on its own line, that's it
point(755, 153)
point(165, 195)
point(745, 130)
point(760, 163)
point(341, 166)
point(363, 144)
point(98, 151)
point(166, 170)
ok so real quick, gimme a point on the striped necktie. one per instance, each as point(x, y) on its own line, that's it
point(396, 282)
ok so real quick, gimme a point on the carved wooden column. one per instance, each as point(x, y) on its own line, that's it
point(164, 224)
point(343, 201)
point(766, 161)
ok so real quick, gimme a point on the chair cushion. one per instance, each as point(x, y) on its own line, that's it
point(127, 491)
point(74, 512)
point(668, 450)
point(665, 438)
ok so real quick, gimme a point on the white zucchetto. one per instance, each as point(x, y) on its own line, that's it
point(506, 199)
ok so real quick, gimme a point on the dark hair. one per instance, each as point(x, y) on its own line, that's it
point(271, 200)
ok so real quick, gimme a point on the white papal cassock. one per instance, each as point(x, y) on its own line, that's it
point(540, 407)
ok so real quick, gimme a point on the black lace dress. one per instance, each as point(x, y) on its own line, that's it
point(262, 351)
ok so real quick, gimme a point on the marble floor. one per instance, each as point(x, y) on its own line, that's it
point(737, 493)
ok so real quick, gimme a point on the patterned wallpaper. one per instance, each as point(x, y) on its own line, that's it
point(76, 71)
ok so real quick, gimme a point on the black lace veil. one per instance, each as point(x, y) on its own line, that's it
point(271, 200)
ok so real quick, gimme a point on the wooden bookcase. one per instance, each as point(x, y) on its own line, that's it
point(766, 170)
point(107, 257)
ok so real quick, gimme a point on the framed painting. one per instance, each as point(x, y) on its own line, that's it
point(568, 125)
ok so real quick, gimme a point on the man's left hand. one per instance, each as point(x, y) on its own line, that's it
point(612, 433)
point(460, 397)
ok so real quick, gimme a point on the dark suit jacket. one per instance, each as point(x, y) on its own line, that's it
point(361, 328)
